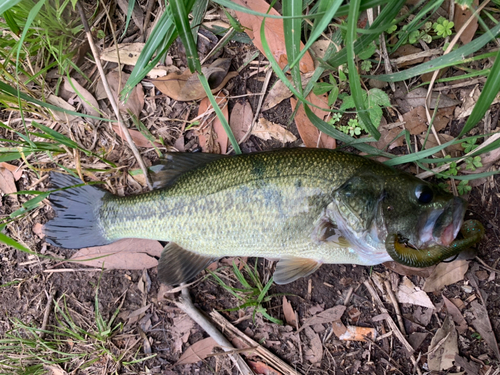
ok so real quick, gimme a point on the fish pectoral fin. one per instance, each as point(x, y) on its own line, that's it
point(178, 265)
point(290, 269)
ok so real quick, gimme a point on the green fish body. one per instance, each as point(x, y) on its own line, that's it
point(302, 206)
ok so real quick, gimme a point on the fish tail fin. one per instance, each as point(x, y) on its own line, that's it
point(76, 223)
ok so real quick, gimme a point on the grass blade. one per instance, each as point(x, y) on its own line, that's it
point(180, 17)
point(7, 5)
point(292, 30)
point(130, 9)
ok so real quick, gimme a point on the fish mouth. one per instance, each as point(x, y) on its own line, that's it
point(442, 225)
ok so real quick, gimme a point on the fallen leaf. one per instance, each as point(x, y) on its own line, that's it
point(416, 339)
point(267, 130)
point(211, 135)
point(137, 14)
point(309, 133)
point(128, 52)
point(289, 313)
point(38, 230)
point(483, 326)
point(338, 328)
point(139, 139)
point(423, 315)
point(388, 137)
point(470, 367)
point(180, 331)
point(407, 50)
point(135, 101)
point(446, 274)
point(314, 353)
point(444, 347)
point(431, 142)
point(487, 159)
point(274, 33)
point(457, 316)
point(355, 333)
point(7, 184)
point(409, 293)
point(186, 86)
point(416, 120)
point(197, 352)
point(61, 116)
point(320, 47)
point(126, 254)
point(280, 92)
point(262, 369)
point(241, 119)
point(327, 316)
point(417, 97)
point(87, 99)
point(462, 15)
point(16, 171)
point(409, 271)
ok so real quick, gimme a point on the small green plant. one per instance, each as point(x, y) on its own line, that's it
point(375, 100)
point(452, 170)
point(421, 34)
point(469, 144)
point(352, 128)
point(443, 27)
point(463, 187)
point(366, 65)
point(335, 118)
point(253, 294)
point(392, 29)
point(471, 163)
point(321, 88)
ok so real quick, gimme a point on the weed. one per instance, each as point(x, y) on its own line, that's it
point(443, 27)
point(463, 187)
point(471, 163)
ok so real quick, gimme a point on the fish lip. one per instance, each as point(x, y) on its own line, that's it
point(450, 231)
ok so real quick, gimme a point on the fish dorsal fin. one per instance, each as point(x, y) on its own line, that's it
point(178, 265)
point(174, 164)
point(290, 269)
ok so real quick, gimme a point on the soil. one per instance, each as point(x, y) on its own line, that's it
point(29, 281)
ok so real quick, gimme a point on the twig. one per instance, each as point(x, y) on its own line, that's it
point(111, 98)
point(186, 305)
point(395, 303)
point(259, 349)
point(46, 314)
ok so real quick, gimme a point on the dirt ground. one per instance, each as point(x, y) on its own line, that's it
point(154, 325)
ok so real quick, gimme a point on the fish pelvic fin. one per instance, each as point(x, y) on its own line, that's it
point(290, 269)
point(178, 265)
point(76, 223)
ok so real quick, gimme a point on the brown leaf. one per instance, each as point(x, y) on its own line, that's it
point(267, 130)
point(416, 98)
point(16, 171)
point(315, 351)
point(446, 274)
point(442, 353)
point(289, 313)
point(197, 352)
point(262, 369)
point(88, 101)
point(7, 184)
point(409, 271)
point(416, 120)
point(135, 101)
point(212, 136)
point(483, 325)
point(409, 293)
point(129, 53)
point(407, 50)
point(327, 316)
point(456, 315)
point(274, 33)
point(61, 116)
point(462, 15)
point(240, 119)
point(309, 133)
point(387, 137)
point(280, 92)
point(139, 139)
point(431, 142)
point(38, 230)
point(186, 86)
point(126, 254)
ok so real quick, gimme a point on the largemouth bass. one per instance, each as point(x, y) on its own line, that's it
point(302, 206)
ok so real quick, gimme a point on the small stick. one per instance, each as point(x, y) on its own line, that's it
point(395, 303)
point(46, 314)
point(111, 98)
point(186, 305)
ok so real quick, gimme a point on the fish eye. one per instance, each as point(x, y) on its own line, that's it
point(424, 194)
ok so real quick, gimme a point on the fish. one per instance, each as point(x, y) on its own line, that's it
point(303, 207)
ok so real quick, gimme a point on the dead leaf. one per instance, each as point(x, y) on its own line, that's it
point(457, 316)
point(274, 33)
point(289, 313)
point(139, 139)
point(431, 142)
point(267, 130)
point(128, 52)
point(241, 119)
point(409, 293)
point(338, 328)
point(387, 137)
point(407, 50)
point(487, 159)
point(212, 136)
point(7, 184)
point(87, 99)
point(314, 353)
point(197, 352)
point(126, 254)
point(327, 316)
point(416, 120)
point(309, 133)
point(38, 230)
point(320, 47)
point(180, 331)
point(444, 347)
point(354, 333)
point(483, 326)
point(186, 86)
point(61, 116)
point(280, 92)
point(16, 171)
point(462, 15)
point(417, 97)
point(135, 101)
point(470, 367)
point(262, 369)
point(409, 271)
point(446, 274)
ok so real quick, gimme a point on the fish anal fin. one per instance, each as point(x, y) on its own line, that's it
point(178, 265)
point(290, 269)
